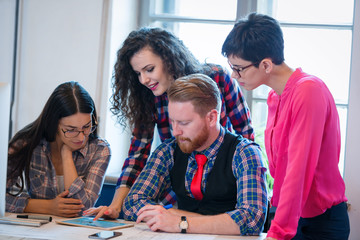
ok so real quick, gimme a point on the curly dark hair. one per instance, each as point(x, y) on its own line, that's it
point(132, 102)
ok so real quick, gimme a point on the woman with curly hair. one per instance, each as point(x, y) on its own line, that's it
point(147, 63)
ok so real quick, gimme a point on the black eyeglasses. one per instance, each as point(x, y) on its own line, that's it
point(87, 131)
point(74, 133)
point(241, 69)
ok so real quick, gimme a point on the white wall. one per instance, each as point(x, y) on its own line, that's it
point(58, 41)
point(5, 90)
point(7, 30)
point(123, 21)
point(352, 154)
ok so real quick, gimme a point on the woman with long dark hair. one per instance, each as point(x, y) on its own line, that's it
point(56, 164)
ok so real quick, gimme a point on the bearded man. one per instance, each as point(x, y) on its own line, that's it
point(218, 177)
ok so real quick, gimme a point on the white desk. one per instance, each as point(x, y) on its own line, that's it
point(53, 230)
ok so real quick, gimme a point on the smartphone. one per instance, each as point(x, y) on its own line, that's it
point(105, 235)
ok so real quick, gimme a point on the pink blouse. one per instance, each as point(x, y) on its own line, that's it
point(302, 140)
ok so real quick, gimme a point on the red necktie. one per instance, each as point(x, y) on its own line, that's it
point(196, 182)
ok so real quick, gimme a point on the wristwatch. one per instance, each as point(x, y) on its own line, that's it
point(183, 224)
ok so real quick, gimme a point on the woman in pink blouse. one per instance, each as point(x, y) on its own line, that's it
point(56, 164)
point(302, 136)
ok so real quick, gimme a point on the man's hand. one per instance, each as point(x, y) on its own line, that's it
point(158, 218)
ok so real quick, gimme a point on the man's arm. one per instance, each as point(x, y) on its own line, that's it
point(249, 214)
point(249, 171)
point(158, 218)
point(153, 183)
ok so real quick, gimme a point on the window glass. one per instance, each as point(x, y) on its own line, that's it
point(203, 40)
point(203, 9)
point(259, 116)
point(324, 53)
point(261, 92)
point(343, 111)
point(310, 11)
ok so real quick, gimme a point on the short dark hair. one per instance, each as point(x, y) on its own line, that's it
point(199, 89)
point(255, 38)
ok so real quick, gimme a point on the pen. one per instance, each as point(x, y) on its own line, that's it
point(168, 206)
point(38, 217)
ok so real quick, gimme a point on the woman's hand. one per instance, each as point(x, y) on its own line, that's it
point(66, 207)
point(102, 211)
point(68, 166)
point(111, 211)
point(66, 151)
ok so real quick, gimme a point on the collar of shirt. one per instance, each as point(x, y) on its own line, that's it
point(210, 153)
point(212, 150)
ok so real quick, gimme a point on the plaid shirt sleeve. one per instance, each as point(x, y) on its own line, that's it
point(18, 203)
point(153, 183)
point(140, 146)
point(15, 203)
point(249, 172)
point(87, 185)
point(234, 111)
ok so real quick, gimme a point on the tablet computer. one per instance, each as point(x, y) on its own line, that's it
point(99, 224)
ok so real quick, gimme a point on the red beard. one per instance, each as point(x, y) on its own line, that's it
point(188, 146)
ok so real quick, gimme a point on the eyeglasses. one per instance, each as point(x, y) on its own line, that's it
point(87, 131)
point(241, 69)
point(75, 133)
